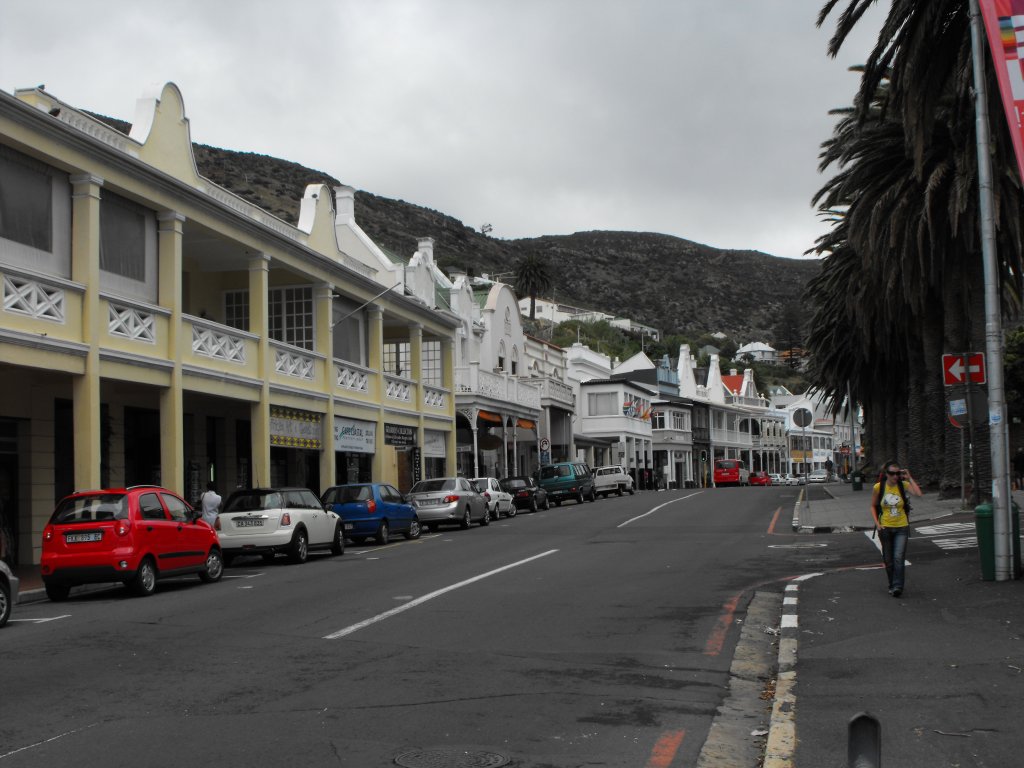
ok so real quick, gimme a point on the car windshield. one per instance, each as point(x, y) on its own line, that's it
point(430, 486)
point(89, 509)
point(548, 472)
point(253, 501)
point(347, 494)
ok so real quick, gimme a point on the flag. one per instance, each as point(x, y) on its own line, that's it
point(1004, 28)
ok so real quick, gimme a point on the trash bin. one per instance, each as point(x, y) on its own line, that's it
point(983, 526)
point(858, 481)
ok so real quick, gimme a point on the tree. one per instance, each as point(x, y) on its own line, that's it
point(532, 279)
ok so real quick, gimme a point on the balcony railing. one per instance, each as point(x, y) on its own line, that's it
point(558, 391)
point(497, 386)
point(731, 437)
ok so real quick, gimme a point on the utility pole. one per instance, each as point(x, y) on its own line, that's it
point(993, 320)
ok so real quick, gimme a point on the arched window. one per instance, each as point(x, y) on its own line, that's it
point(501, 355)
point(515, 361)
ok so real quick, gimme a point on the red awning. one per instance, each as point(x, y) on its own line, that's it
point(488, 416)
point(526, 424)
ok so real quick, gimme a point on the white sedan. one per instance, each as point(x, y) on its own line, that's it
point(269, 521)
point(498, 499)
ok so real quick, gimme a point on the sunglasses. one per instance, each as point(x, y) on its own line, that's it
point(894, 472)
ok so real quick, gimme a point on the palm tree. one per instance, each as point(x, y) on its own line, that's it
point(533, 279)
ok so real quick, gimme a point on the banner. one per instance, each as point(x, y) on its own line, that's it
point(1004, 27)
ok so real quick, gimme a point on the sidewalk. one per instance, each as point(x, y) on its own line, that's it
point(941, 667)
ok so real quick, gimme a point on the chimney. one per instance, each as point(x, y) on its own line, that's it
point(344, 205)
point(733, 372)
point(425, 245)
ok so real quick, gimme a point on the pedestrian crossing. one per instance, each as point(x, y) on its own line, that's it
point(949, 536)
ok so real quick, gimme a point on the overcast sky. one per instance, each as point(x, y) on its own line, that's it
point(696, 118)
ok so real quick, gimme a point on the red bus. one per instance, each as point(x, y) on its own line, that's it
point(731, 472)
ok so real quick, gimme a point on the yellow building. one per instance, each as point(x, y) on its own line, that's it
point(157, 328)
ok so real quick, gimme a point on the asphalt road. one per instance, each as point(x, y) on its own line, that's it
point(596, 635)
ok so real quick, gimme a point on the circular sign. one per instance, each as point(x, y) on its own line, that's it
point(802, 417)
point(544, 443)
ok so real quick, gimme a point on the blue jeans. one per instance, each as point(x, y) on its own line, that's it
point(894, 551)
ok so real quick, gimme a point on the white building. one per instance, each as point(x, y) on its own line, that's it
point(758, 352)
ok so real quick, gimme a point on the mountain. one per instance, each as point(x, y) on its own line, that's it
point(675, 285)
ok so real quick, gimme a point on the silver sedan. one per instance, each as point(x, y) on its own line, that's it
point(451, 500)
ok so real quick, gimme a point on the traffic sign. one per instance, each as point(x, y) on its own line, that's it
point(955, 371)
point(545, 444)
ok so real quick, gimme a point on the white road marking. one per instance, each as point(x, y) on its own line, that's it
point(655, 509)
point(43, 621)
point(47, 741)
point(436, 593)
point(242, 575)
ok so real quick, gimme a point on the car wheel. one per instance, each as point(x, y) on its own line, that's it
point(5, 602)
point(298, 550)
point(414, 530)
point(497, 511)
point(214, 567)
point(58, 593)
point(466, 520)
point(547, 504)
point(618, 489)
point(593, 495)
point(338, 542)
point(144, 582)
point(631, 490)
point(382, 533)
point(513, 511)
point(579, 497)
point(487, 517)
point(533, 505)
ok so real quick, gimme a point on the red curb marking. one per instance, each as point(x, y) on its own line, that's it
point(665, 749)
point(716, 641)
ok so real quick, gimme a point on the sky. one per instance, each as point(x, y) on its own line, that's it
point(696, 118)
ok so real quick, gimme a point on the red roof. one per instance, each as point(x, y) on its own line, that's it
point(734, 383)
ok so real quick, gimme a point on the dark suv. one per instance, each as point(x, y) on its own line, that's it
point(133, 535)
point(567, 480)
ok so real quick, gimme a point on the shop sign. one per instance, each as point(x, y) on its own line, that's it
point(417, 465)
point(434, 443)
point(354, 436)
point(399, 435)
point(293, 428)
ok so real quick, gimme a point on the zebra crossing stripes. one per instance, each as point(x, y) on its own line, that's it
point(949, 536)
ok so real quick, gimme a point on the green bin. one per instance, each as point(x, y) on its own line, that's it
point(858, 481)
point(984, 528)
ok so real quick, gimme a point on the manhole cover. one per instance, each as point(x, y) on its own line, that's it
point(450, 758)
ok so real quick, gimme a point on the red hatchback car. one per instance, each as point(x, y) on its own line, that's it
point(133, 535)
point(760, 478)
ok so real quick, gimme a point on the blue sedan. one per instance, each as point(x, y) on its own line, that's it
point(372, 510)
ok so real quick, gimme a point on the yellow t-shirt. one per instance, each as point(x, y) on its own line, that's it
point(892, 515)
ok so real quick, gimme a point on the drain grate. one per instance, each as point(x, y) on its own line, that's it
point(450, 758)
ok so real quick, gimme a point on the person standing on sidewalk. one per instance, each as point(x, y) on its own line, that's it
point(210, 502)
point(890, 508)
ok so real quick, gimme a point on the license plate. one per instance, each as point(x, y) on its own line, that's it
point(248, 522)
point(76, 538)
point(428, 502)
point(349, 527)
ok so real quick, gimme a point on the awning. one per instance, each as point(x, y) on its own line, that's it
point(488, 416)
point(526, 424)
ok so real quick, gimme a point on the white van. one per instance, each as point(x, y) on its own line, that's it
point(612, 479)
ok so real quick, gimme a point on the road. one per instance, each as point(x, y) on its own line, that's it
point(599, 635)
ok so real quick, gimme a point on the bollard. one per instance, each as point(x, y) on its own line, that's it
point(864, 745)
point(985, 533)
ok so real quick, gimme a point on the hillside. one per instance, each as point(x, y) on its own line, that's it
point(673, 284)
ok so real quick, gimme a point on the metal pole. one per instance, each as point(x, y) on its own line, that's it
point(998, 438)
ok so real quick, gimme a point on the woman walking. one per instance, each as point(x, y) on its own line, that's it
point(890, 508)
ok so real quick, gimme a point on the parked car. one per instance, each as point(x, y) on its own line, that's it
point(526, 494)
point(567, 480)
point(8, 592)
point(818, 476)
point(135, 535)
point(776, 478)
point(795, 480)
point(612, 479)
point(759, 478)
point(498, 499)
point(272, 521)
point(448, 500)
point(372, 510)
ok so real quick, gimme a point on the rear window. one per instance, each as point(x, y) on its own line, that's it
point(430, 486)
point(347, 494)
point(727, 465)
point(89, 509)
point(515, 483)
point(253, 501)
point(556, 471)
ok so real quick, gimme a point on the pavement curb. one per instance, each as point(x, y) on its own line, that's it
point(781, 745)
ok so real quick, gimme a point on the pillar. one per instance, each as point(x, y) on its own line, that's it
point(85, 269)
point(172, 411)
point(259, 324)
point(375, 362)
point(323, 335)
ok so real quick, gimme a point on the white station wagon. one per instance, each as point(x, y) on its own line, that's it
point(268, 521)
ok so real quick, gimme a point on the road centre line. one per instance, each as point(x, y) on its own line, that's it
point(655, 509)
point(47, 741)
point(430, 596)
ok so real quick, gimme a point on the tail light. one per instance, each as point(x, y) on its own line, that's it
point(487, 495)
point(121, 528)
point(48, 533)
point(286, 518)
point(451, 499)
point(371, 506)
